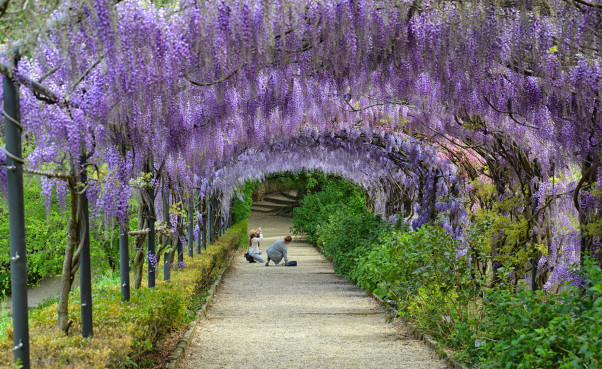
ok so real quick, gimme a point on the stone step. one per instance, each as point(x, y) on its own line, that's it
point(268, 206)
point(293, 195)
point(263, 211)
point(279, 200)
point(273, 210)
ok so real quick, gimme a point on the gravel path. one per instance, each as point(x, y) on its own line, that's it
point(298, 317)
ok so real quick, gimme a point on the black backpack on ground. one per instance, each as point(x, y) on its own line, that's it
point(249, 258)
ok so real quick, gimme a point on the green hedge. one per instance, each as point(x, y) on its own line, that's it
point(241, 209)
point(423, 276)
point(124, 332)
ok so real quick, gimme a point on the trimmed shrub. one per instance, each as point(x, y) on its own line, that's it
point(123, 332)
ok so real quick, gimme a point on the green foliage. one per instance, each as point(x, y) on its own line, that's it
point(316, 209)
point(506, 226)
point(241, 228)
point(423, 276)
point(538, 330)
point(348, 235)
point(5, 316)
point(241, 209)
point(45, 237)
point(419, 273)
point(285, 181)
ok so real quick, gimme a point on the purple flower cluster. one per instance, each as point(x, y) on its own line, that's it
point(180, 265)
point(152, 261)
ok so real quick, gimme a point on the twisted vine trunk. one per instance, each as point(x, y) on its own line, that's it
point(139, 247)
point(586, 213)
point(71, 259)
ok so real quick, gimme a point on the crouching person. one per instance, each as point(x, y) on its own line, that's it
point(254, 241)
point(278, 251)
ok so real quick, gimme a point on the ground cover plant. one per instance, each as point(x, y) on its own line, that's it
point(125, 331)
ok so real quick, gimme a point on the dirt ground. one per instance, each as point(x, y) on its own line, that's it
point(298, 317)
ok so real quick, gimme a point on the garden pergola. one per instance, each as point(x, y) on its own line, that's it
point(122, 97)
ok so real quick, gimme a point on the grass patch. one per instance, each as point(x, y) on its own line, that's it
point(5, 316)
point(124, 333)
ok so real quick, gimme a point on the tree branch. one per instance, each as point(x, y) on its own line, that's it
point(59, 175)
point(40, 91)
point(584, 178)
point(84, 75)
point(223, 79)
point(3, 6)
point(62, 19)
point(48, 74)
point(587, 3)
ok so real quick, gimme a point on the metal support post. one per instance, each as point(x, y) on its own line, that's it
point(204, 229)
point(16, 221)
point(124, 264)
point(179, 242)
point(85, 269)
point(199, 222)
point(533, 274)
point(166, 266)
point(209, 220)
point(151, 249)
point(190, 226)
point(534, 260)
point(229, 216)
point(167, 260)
point(214, 225)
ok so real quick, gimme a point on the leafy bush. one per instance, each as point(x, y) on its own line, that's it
point(538, 330)
point(348, 236)
point(241, 209)
point(46, 238)
point(421, 274)
point(123, 332)
point(316, 209)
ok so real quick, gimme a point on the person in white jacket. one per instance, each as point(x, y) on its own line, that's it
point(255, 238)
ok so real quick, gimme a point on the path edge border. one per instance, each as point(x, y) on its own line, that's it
point(178, 353)
point(429, 341)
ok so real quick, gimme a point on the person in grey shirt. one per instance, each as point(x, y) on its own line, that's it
point(278, 250)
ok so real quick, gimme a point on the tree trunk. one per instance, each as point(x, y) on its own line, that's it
point(139, 247)
point(70, 262)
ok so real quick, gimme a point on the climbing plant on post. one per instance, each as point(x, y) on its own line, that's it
point(151, 217)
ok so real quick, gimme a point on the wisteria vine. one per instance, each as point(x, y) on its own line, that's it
point(192, 88)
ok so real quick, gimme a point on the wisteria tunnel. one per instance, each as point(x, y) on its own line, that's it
point(437, 109)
